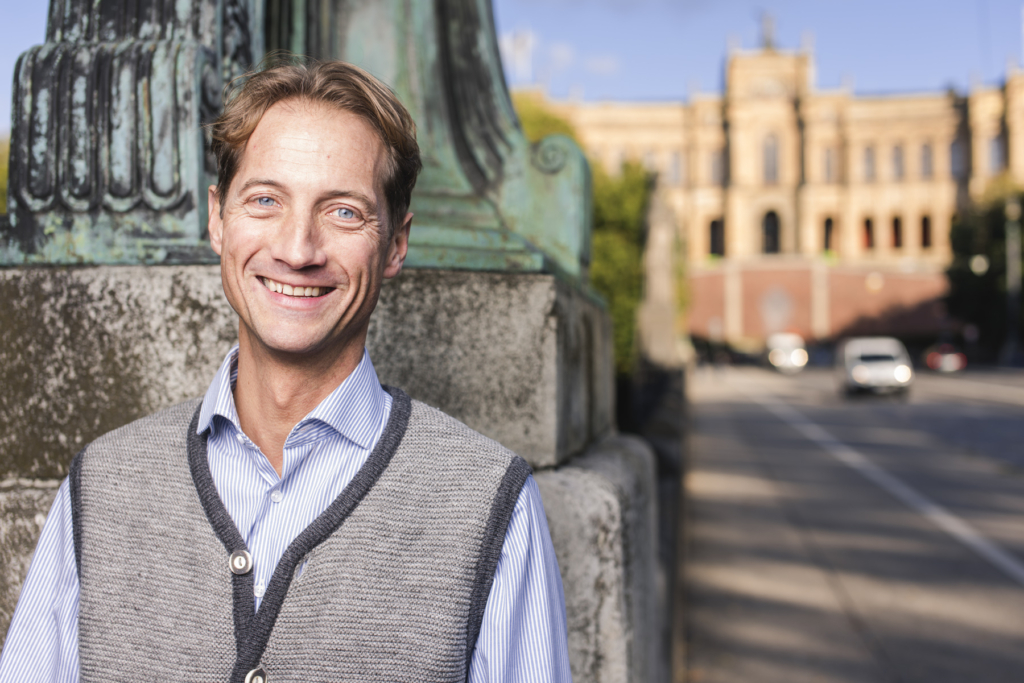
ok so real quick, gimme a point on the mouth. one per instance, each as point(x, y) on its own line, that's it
point(295, 291)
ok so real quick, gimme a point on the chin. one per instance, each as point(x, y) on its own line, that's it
point(304, 343)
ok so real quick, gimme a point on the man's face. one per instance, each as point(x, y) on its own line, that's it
point(301, 234)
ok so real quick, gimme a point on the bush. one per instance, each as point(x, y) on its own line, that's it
point(981, 299)
point(620, 213)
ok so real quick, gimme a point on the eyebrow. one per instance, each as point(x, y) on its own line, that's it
point(330, 195)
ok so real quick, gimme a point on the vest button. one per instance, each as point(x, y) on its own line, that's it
point(257, 675)
point(241, 563)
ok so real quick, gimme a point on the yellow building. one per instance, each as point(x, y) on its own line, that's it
point(817, 211)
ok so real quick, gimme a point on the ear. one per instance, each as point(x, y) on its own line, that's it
point(214, 223)
point(398, 247)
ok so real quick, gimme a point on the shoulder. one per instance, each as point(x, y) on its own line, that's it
point(169, 426)
point(452, 445)
point(428, 424)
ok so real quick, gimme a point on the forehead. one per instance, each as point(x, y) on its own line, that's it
point(303, 143)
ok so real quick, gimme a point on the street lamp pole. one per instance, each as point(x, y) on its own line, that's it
point(1013, 281)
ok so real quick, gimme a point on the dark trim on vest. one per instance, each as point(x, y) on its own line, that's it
point(252, 631)
point(494, 540)
point(223, 526)
point(75, 493)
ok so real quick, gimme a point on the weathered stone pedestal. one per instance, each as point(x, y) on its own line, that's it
point(521, 357)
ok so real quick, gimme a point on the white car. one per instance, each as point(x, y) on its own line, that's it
point(786, 352)
point(875, 364)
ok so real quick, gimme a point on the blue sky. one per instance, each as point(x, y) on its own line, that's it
point(666, 49)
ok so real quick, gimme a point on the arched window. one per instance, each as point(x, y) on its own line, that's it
point(997, 154)
point(926, 232)
point(869, 234)
point(958, 159)
point(771, 160)
point(717, 240)
point(927, 166)
point(718, 167)
point(897, 162)
point(897, 232)
point(827, 242)
point(770, 232)
point(675, 168)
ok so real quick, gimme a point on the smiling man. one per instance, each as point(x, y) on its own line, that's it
point(300, 522)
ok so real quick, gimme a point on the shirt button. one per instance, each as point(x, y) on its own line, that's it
point(257, 675)
point(240, 437)
point(259, 590)
point(276, 496)
point(240, 562)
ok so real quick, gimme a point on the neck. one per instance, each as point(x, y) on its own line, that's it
point(275, 390)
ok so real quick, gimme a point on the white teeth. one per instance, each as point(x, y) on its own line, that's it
point(288, 290)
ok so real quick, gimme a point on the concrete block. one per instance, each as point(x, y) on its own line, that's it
point(86, 350)
point(601, 510)
point(522, 358)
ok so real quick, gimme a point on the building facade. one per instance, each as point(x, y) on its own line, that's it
point(815, 211)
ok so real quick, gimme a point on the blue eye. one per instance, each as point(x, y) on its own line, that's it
point(346, 213)
point(265, 201)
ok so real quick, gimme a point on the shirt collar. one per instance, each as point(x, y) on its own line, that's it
point(354, 409)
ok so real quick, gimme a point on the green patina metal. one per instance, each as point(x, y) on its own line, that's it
point(109, 164)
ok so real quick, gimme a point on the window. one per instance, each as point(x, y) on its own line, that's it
point(829, 231)
point(958, 159)
point(926, 232)
point(869, 164)
point(897, 233)
point(717, 237)
point(718, 167)
point(897, 162)
point(830, 165)
point(771, 160)
point(770, 233)
point(869, 234)
point(927, 167)
point(675, 169)
point(996, 155)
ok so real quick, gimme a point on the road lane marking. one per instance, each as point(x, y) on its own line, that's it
point(940, 516)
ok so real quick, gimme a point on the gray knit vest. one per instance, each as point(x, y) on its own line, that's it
point(397, 575)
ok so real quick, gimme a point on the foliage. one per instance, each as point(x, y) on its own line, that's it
point(537, 120)
point(620, 211)
point(5, 146)
point(616, 266)
point(980, 299)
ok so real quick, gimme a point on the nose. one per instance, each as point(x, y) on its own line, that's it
point(298, 244)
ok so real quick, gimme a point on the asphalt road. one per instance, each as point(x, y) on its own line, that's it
point(864, 539)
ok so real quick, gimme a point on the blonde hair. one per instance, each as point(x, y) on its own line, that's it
point(335, 84)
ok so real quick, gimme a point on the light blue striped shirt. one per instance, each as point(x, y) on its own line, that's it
point(523, 634)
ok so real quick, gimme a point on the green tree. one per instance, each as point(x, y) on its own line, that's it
point(616, 265)
point(620, 214)
point(537, 120)
point(978, 296)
